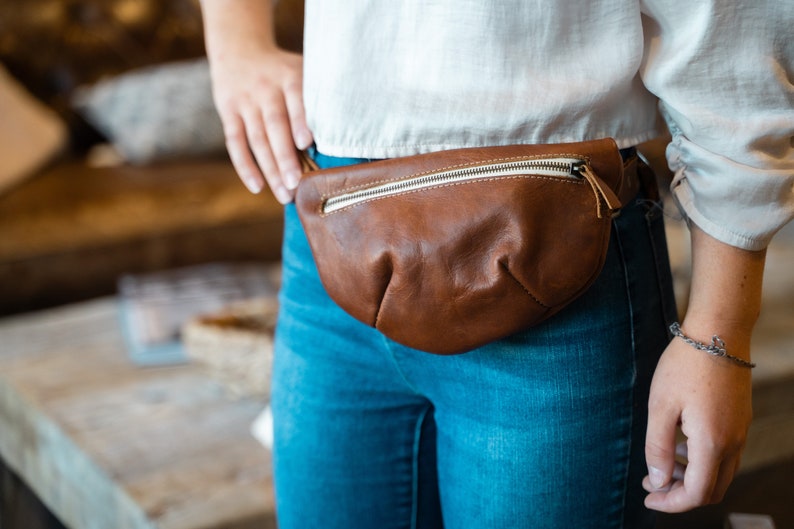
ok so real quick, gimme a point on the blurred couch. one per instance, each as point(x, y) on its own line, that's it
point(120, 167)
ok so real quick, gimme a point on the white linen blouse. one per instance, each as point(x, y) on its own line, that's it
point(394, 78)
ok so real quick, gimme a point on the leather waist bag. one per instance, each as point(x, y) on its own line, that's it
point(448, 251)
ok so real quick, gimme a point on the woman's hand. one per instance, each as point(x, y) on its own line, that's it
point(708, 397)
point(258, 92)
point(259, 98)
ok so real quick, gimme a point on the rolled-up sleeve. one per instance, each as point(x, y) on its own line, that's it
point(724, 74)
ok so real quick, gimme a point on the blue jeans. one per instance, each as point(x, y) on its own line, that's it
point(543, 429)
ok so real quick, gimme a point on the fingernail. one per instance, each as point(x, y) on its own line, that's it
point(291, 179)
point(303, 140)
point(282, 195)
point(656, 476)
point(253, 186)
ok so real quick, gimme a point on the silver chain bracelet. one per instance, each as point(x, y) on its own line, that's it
point(716, 347)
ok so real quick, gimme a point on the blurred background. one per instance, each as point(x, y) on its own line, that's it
point(138, 280)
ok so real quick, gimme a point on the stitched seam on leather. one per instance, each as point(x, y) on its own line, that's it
point(455, 167)
point(514, 278)
point(560, 180)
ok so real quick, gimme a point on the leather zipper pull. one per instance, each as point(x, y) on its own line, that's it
point(307, 164)
point(602, 192)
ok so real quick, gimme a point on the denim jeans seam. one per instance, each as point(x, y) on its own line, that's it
point(415, 467)
point(665, 300)
point(630, 304)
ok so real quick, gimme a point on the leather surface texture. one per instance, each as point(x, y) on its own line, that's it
point(453, 266)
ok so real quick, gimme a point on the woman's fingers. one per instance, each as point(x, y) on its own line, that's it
point(276, 118)
point(237, 146)
point(258, 93)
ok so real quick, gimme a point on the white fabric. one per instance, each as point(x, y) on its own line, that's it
point(386, 79)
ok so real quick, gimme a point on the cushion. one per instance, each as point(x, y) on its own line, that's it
point(155, 113)
point(30, 133)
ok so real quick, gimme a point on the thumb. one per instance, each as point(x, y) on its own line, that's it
point(660, 445)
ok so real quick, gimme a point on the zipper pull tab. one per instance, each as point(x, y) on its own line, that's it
point(307, 163)
point(601, 190)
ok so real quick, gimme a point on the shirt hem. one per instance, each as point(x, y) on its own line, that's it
point(371, 151)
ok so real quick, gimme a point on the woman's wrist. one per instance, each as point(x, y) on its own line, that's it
point(238, 23)
point(725, 297)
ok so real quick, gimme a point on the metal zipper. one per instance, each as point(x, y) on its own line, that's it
point(556, 167)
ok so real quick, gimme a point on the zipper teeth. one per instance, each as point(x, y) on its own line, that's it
point(550, 167)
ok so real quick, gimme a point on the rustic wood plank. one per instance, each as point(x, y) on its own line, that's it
point(107, 444)
point(68, 234)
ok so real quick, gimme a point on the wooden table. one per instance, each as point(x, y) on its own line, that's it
point(106, 444)
point(109, 445)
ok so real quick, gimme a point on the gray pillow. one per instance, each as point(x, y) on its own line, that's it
point(155, 113)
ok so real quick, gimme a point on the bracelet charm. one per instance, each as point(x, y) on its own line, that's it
point(715, 348)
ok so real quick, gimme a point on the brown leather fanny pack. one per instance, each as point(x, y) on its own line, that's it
point(448, 251)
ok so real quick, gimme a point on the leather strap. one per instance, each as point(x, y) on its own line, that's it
point(307, 163)
point(630, 185)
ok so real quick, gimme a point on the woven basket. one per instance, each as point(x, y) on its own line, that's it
point(236, 345)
